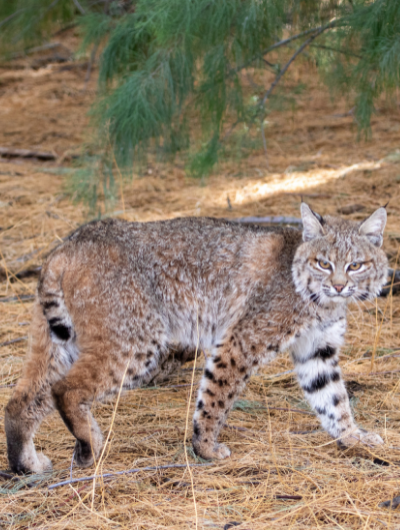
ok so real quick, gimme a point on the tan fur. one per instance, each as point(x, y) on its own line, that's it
point(120, 295)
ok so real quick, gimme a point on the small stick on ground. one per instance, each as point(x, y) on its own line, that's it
point(9, 152)
point(126, 472)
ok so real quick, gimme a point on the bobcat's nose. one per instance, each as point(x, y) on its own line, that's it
point(339, 287)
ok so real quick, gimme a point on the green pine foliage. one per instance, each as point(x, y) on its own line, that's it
point(173, 72)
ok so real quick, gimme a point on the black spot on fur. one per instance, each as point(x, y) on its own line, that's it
point(219, 345)
point(147, 364)
point(149, 354)
point(232, 338)
point(221, 365)
point(317, 384)
point(325, 353)
point(60, 330)
point(213, 404)
point(130, 371)
point(209, 374)
point(320, 410)
point(200, 405)
point(209, 392)
point(335, 376)
point(154, 342)
point(196, 428)
point(49, 305)
point(233, 362)
point(230, 395)
point(217, 359)
point(242, 369)
point(297, 334)
point(221, 404)
point(246, 377)
point(253, 348)
point(336, 401)
point(255, 362)
point(331, 416)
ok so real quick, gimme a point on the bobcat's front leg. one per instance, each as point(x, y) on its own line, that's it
point(225, 376)
point(320, 377)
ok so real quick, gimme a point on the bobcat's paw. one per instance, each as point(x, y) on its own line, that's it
point(83, 454)
point(44, 463)
point(208, 452)
point(221, 451)
point(29, 461)
point(361, 436)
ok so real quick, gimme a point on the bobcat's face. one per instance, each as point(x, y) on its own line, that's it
point(340, 260)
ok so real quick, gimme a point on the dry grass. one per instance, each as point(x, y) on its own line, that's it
point(284, 471)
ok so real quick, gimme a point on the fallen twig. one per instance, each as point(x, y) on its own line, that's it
point(289, 497)
point(126, 472)
point(297, 411)
point(5, 475)
point(9, 152)
point(275, 219)
point(13, 341)
point(20, 298)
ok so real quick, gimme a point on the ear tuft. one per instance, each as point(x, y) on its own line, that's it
point(312, 223)
point(373, 226)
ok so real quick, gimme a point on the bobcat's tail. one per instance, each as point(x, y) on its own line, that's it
point(51, 298)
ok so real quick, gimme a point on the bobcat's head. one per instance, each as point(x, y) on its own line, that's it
point(340, 260)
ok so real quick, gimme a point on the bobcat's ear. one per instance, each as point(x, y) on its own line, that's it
point(373, 227)
point(312, 223)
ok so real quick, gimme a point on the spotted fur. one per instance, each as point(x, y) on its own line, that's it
point(119, 296)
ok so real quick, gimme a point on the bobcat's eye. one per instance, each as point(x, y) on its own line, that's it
point(355, 266)
point(324, 264)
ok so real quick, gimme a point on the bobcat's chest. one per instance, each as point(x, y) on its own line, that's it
point(317, 335)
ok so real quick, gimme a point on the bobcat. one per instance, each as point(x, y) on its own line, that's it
point(129, 298)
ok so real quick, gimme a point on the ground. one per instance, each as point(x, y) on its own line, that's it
point(284, 472)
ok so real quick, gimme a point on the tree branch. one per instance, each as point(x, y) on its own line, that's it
point(79, 7)
point(344, 52)
point(10, 17)
point(318, 30)
point(293, 57)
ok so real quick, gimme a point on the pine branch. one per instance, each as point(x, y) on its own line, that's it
point(10, 17)
point(318, 30)
point(293, 57)
point(344, 52)
point(79, 7)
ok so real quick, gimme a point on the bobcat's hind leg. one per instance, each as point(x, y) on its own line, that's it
point(73, 396)
point(31, 400)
